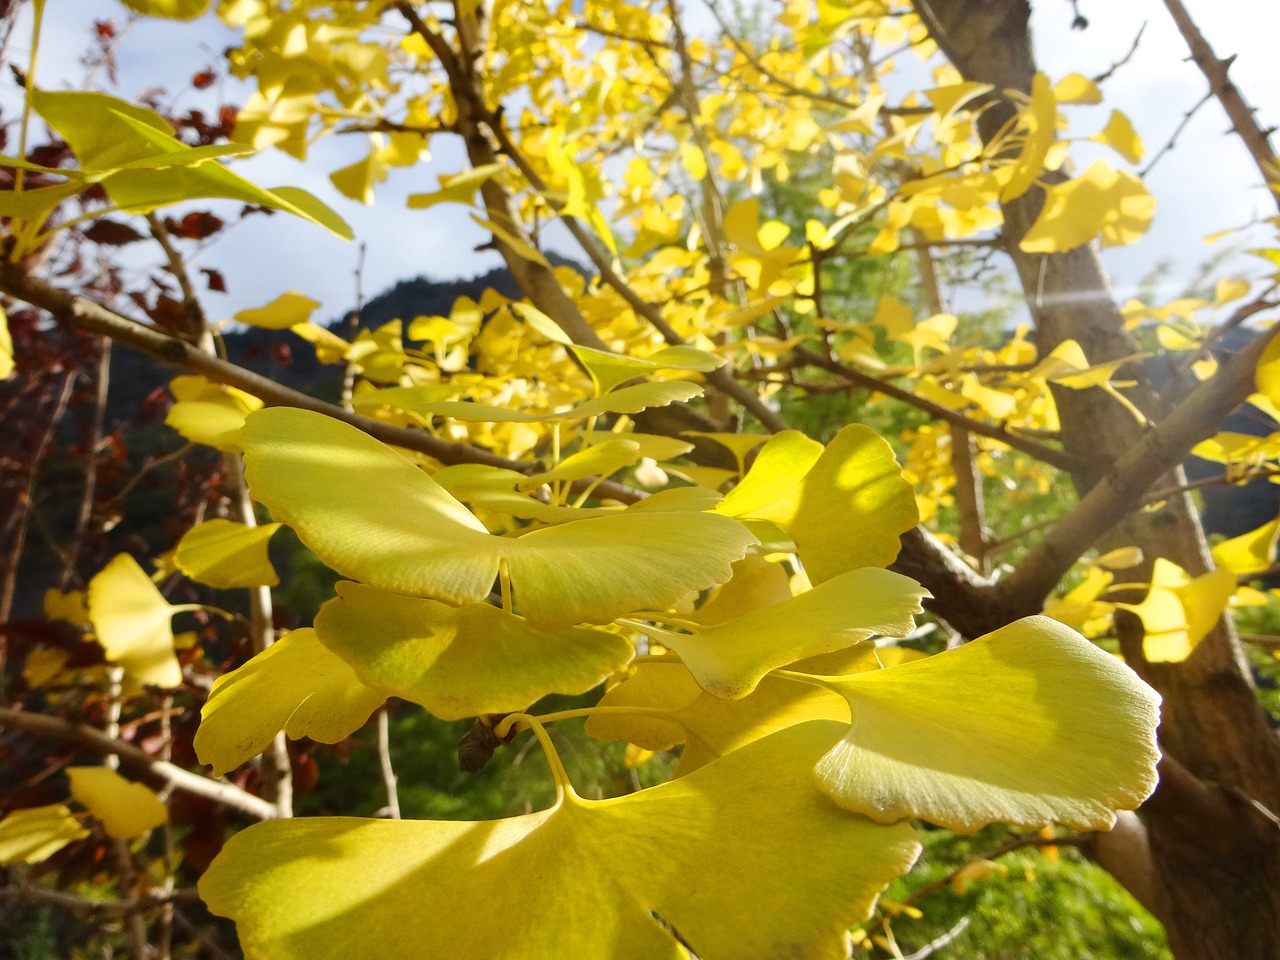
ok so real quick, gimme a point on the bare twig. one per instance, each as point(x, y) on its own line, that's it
point(1173, 138)
point(93, 738)
point(1133, 48)
point(1246, 126)
point(384, 762)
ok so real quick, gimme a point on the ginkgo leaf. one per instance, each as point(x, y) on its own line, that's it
point(610, 369)
point(1179, 610)
point(730, 658)
point(142, 166)
point(1102, 201)
point(1052, 730)
point(710, 727)
point(296, 685)
point(125, 809)
point(37, 833)
point(285, 311)
point(131, 620)
point(373, 516)
point(601, 459)
point(1120, 136)
point(226, 555)
point(6, 347)
point(756, 583)
point(171, 9)
point(591, 880)
point(461, 661)
point(1268, 372)
point(1250, 552)
point(460, 188)
point(633, 399)
point(209, 413)
point(846, 509)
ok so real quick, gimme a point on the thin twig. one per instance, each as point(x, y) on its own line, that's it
point(58, 729)
point(1173, 138)
point(1040, 451)
point(1133, 48)
point(1245, 124)
point(384, 762)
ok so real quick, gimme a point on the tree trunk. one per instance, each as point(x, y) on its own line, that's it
point(1214, 844)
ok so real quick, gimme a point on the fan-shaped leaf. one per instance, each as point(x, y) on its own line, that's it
point(730, 658)
point(131, 620)
point(295, 685)
point(461, 661)
point(37, 833)
point(125, 809)
point(226, 555)
point(375, 517)
point(584, 879)
point(1029, 725)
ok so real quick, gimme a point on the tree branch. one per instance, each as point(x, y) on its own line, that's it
point(1241, 114)
point(55, 728)
point(1126, 481)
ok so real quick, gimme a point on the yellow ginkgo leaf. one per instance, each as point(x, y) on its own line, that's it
point(37, 833)
point(125, 809)
point(730, 658)
point(1250, 552)
point(633, 399)
point(131, 620)
point(226, 555)
point(1102, 201)
point(375, 517)
point(845, 509)
point(1054, 730)
point(461, 661)
point(209, 413)
point(1120, 136)
point(756, 583)
point(170, 9)
point(601, 459)
point(710, 727)
point(295, 685)
point(591, 880)
point(1268, 372)
point(610, 369)
point(1077, 88)
point(1179, 610)
point(284, 312)
point(6, 347)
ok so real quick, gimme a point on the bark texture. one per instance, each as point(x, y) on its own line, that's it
point(1214, 841)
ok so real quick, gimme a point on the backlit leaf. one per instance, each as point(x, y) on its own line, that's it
point(285, 311)
point(209, 413)
point(226, 555)
point(730, 658)
point(461, 661)
point(171, 9)
point(131, 620)
point(633, 399)
point(583, 879)
point(37, 833)
point(125, 809)
point(1101, 202)
point(846, 510)
point(296, 685)
point(1250, 552)
point(1048, 729)
point(6, 347)
point(373, 516)
point(710, 727)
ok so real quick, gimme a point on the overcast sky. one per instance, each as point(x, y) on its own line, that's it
point(1206, 184)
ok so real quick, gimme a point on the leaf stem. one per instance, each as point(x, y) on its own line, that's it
point(564, 787)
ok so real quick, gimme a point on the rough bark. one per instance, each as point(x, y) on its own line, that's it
point(1214, 843)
